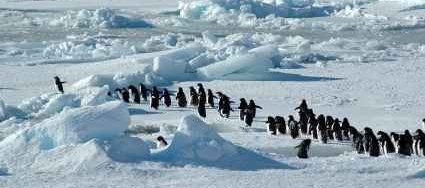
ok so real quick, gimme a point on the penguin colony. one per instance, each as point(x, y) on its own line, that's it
point(322, 128)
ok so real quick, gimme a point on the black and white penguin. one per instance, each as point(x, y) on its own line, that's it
point(423, 124)
point(336, 129)
point(410, 138)
point(419, 142)
point(303, 106)
point(357, 140)
point(312, 126)
point(345, 127)
point(253, 107)
point(395, 138)
point(293, 127)
point(303, 148)
point(243, 105)
point(303, 121)
point(271, 125)
point(181, 98)
point(166, 96)
point(371, 143)
point(280, 124)
point(329, 124)
point(224, 106)
point(202, 97)
point(322, 128)
point(194, 98)
point(386, 143)
point(368, 135)
point(143, 92)
point(161, 142)
point(134, 94)
point(403, 145)
point(201, 110)
point(125, 95)
point(155, 98)
point(211, 98)
point(59, 84)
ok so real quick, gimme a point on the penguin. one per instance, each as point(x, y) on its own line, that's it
point(202, 97)
point(403, 145)
point(248, 116)
point(322, 129)
point(360, 144)
point(303, 121)
point(386, 143)
point(201, 110)
point(181, 98)
point(59, 84)
point(125, 95)
point(345, 127)
point(329, 123)
point(312, 128)
point(253, 107)
point(193, 96)
point(357, 140)
point(243, 105)
point(143, 92)
point(210, 98)
point(155, 98)
point(420, 142)
point(271, 125)
point(224, 106)
point(280, 124)
point(395, 138)
point(303, 148)
point(303, 106)
point(134, 93)
point(200, 88)
point(166, 96)
point(293, 127)
point(423, 124)
point(161, 142)
point(410, 138)
point(117, 93)
point(372, 144)
point(336, 129)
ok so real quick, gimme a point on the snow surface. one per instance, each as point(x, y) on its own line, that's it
point(359, 59)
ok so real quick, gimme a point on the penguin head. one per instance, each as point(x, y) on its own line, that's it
point(270, 119)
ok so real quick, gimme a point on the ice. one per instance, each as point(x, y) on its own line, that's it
point(128, 149)
point(99, 18)
point(3, 113)
point(196, 143)
point(257, 60)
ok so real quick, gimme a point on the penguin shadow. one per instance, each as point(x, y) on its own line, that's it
point(138, 111)
point(254, 129)
point(8, 88)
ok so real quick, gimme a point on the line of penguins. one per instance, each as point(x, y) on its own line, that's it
point(328, 128)
point(319, 128)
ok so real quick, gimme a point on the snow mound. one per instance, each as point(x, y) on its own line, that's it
point(99, 18)
point(128, 149)
point(196, 143)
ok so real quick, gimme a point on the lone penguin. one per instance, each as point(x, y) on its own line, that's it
point(59, 84)
point(303, 148)
point(161, 142)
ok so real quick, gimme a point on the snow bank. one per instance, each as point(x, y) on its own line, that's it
point(99, 18)
point(257, 60)
point(196, 143)
point(128, 149)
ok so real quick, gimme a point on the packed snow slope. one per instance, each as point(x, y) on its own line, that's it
point(357, 59)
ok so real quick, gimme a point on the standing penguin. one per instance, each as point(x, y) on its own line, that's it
point(371, 143)
point(253, 107)
point(134, 93)
point(194, 98)
point(271, 125)
point(303, 121)
point(155, 98)
point(303, 148)
point(357, 140)
point(211, 98)
point(293, 127)
point(59, 83)
point(322, 128)
point(202, 97)
point(243, 105)
point(386, 144)
point(143, 92)
point(181, 98)
point(336, 129)
point(345, 127)
point(125, 95)
point(312, 128)
point(303, 106)
point(166, 96)
point(201, 110)
point(419, 142)
point(423, 124)
point(410, 139)
point(224, 106)
point(329, 123)
point(280, 124)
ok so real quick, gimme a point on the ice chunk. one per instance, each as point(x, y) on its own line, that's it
point(128, 149)
point(257, 60)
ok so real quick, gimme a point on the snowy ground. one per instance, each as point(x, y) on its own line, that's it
point(364, 63)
